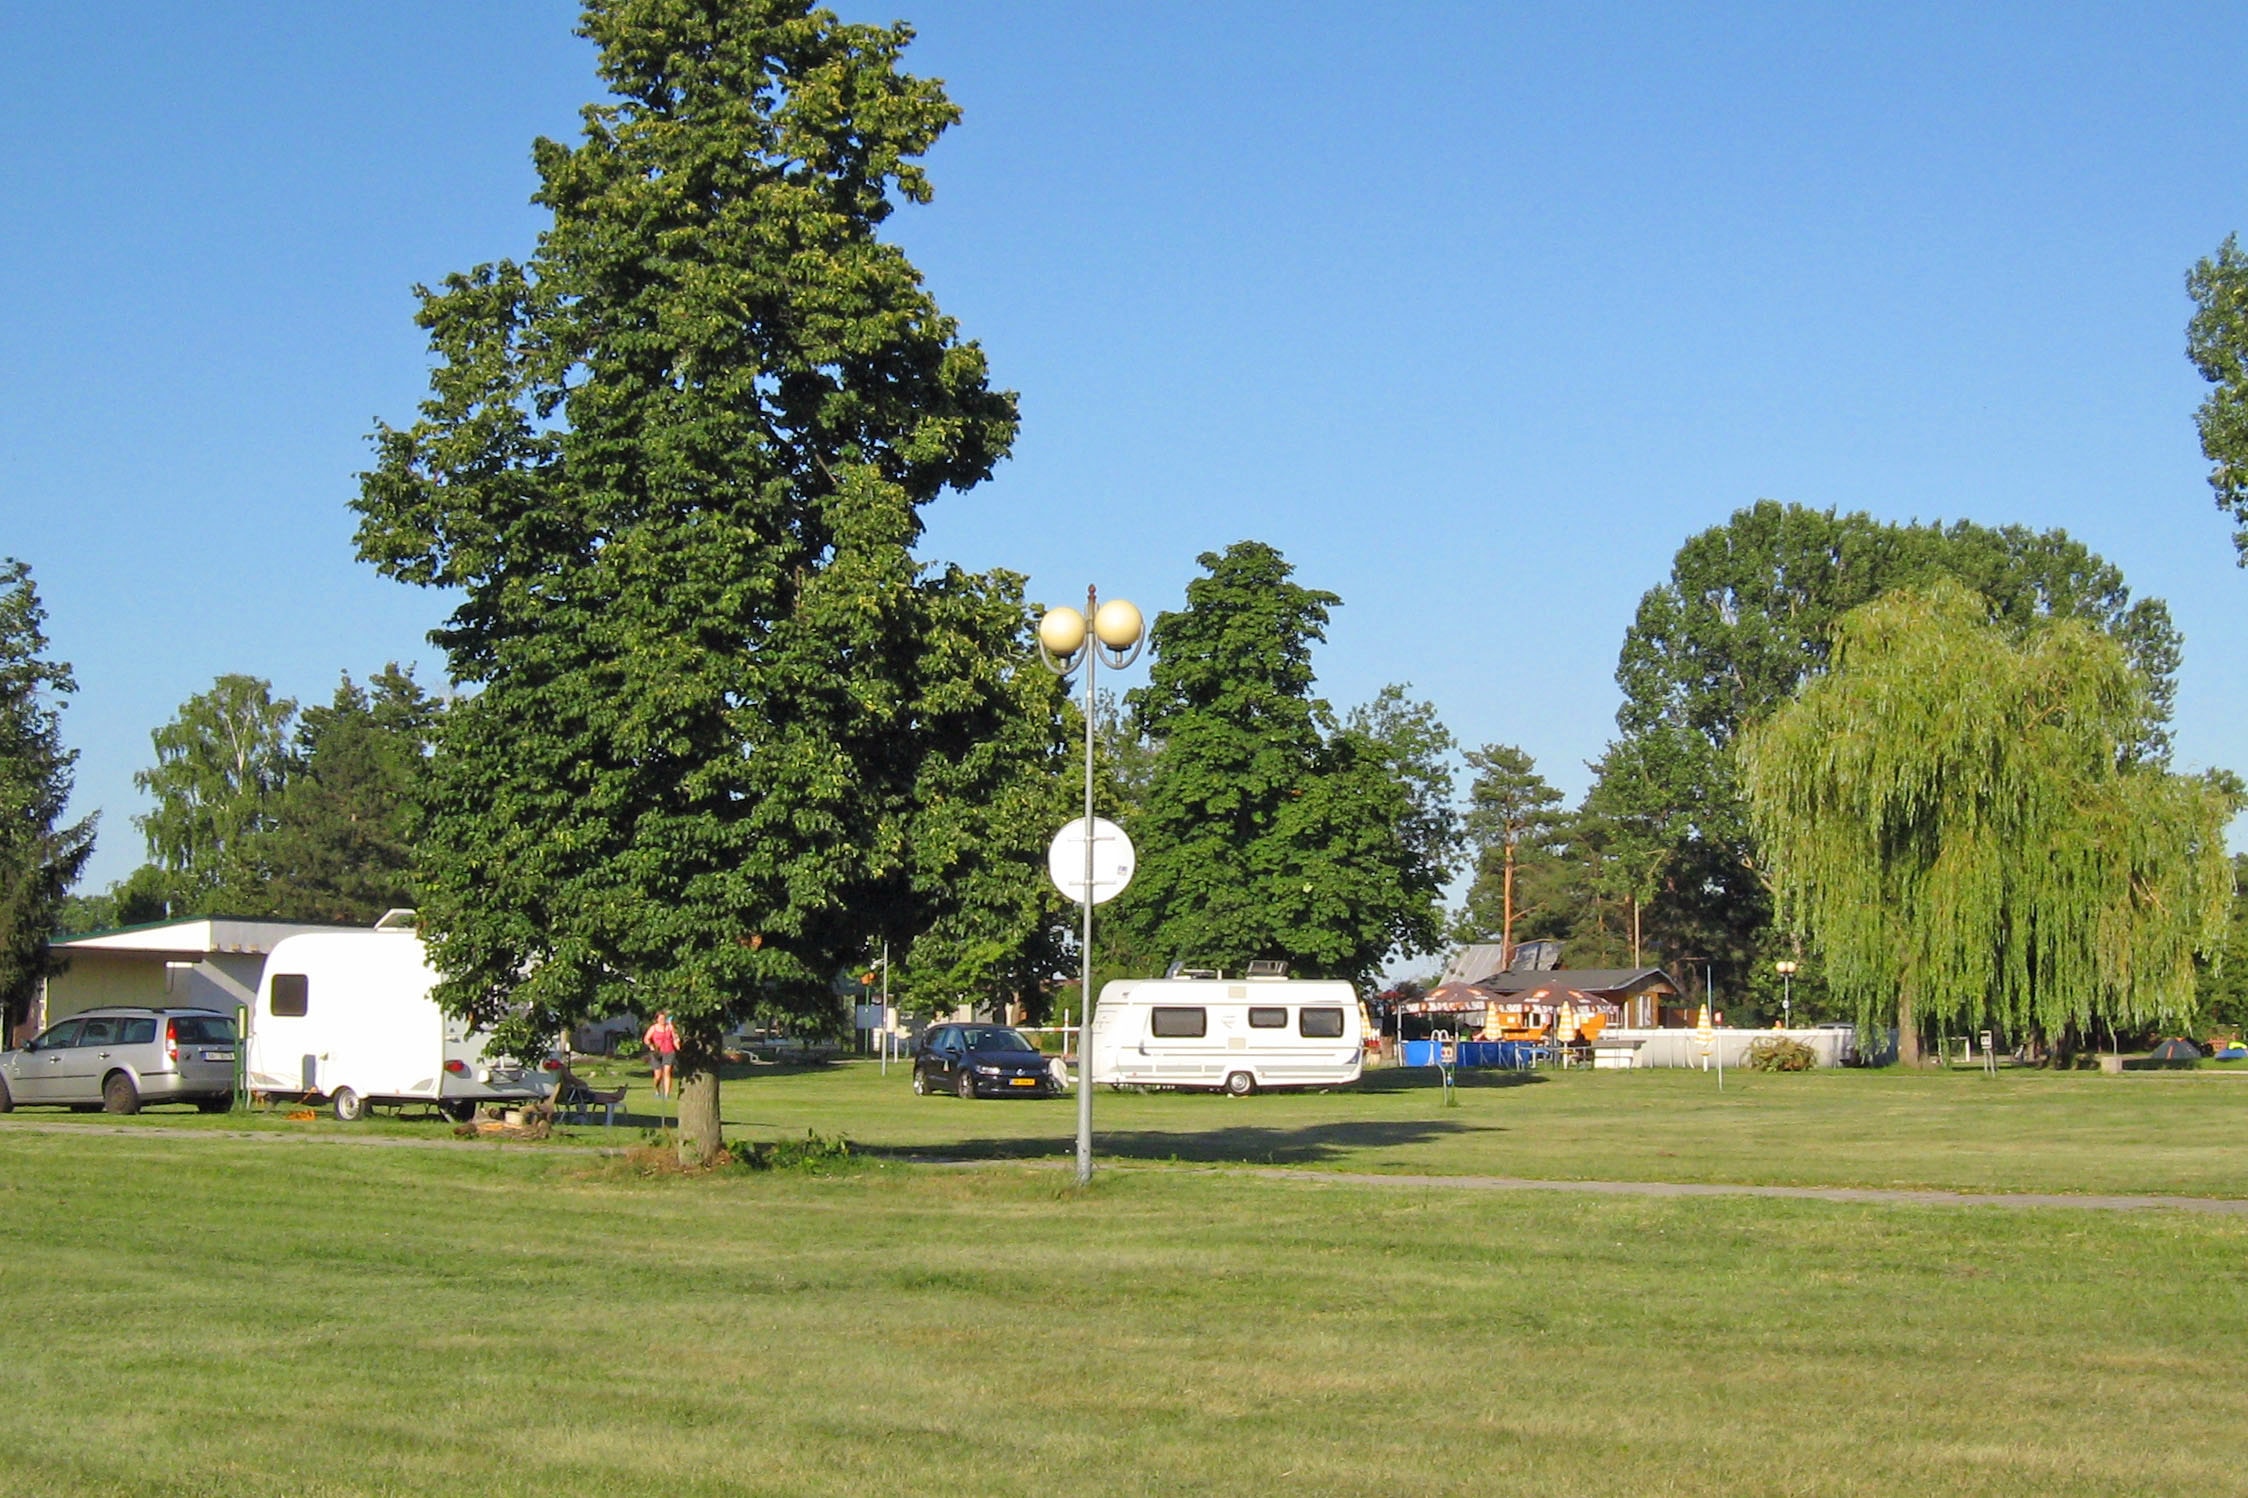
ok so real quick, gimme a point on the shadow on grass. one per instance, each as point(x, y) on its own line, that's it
point(1427, 1079)
point(1229, 1144)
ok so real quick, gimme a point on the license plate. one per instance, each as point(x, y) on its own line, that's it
point(218, 1055)
point(1024, 1082)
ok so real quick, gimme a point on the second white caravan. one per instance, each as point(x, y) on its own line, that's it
point(1236, 1035)
point(347, 1015)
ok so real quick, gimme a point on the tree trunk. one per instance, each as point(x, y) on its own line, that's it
point(1635, 931)
point(696, 1082)
point(1506, 929)
point(1908, 1032)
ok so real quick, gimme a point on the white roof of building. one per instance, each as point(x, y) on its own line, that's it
point(198, 937)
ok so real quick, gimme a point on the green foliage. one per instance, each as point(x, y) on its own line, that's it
point(998, 776)
point(2221, 990)
point(1778, 1053)
point(2217, 342)
point(220, 766)
point(1747, 614)
point(814, 1154)
point(673, 465)
point(1269, 830)
point(340, 845)
point(39, 858)
point(1956, 820)
point(1514, 828)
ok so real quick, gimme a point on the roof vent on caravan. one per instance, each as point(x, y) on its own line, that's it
point(398, 920)
point(1269, 967)
point(1181, 970)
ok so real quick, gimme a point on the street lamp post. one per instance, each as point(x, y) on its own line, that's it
point(1112, 632)
point(1785, 967)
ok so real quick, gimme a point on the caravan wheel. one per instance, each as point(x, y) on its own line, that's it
point(349, 1106)
point(1239, 1084)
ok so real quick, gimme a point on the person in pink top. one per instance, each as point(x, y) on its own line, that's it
point(663, 1048)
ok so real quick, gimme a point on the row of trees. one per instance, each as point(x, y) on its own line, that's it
point(261, 811)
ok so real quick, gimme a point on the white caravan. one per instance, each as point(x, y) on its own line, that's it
point(1236, 1035)
point(347, 1015)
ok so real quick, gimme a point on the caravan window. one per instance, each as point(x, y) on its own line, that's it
point(290, 998)
point(1320, 1024)
point(1182, 1024)
point(1261, 1018)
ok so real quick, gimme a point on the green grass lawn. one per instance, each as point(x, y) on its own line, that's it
point(2149, 1132)
point(190, 1314)
point(2178, 1133)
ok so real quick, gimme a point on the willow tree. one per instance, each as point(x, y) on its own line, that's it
point(672, 468)
point(1956, 818)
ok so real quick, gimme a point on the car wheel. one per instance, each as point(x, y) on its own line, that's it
point(967, 1086)
point(215, 1104)
point(7, 1102)
point(459, 1110)
point(349, 1106)
point(119, 1095)
point(1239, 1084)
point(920, 1082)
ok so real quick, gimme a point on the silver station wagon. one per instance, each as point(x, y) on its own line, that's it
point(120, 1058)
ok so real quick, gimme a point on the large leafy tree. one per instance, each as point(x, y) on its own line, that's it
point(2217, 342)
point(220, 767)
point(1268, 830)
point(995, 784)
point(1747, 614)
point(40, 854)
point(1956, 818)
point(2221, 991)
point(673, 463)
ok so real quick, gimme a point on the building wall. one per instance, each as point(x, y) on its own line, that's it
point(220, 980)
point(97, 978)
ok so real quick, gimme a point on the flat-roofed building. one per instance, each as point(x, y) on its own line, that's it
point(208, 962)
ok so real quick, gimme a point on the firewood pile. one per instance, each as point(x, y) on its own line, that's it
point(533, 1122)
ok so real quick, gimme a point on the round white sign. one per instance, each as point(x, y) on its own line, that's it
point(1113, 860)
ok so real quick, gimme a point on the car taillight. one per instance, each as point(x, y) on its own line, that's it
point(552, 1064)
point(457, 1068)
point(172, 1040)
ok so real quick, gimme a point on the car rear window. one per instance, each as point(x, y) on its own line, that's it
point(138, 1032)
point(203, 1029)
point(1189, 1024)
point(290, 999)
point(1319, 1024)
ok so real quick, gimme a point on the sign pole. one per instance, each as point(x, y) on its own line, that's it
point(1085, 941)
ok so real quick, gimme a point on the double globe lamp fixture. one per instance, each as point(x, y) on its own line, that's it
point(1116, 626)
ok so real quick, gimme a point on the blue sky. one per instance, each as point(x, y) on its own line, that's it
point(1476, 312)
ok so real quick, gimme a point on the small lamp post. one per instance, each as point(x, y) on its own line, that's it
point(1785, 967)
point(1110, 632)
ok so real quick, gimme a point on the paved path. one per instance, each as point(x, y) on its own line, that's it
point(272, 1136)
point(2219, 1206)
point(1864, 1195)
